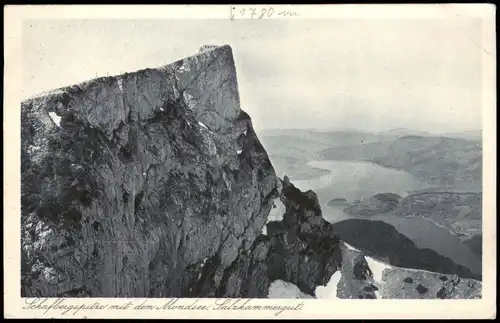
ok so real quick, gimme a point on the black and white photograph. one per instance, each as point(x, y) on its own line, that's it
point(253, 157)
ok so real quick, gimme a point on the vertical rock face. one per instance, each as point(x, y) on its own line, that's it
point(301, 249)
point(304, 248)
point(143, 184)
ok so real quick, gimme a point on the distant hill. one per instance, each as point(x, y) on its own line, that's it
point(459, 213)
point(405, 132)
point(290, 149)
point(449, 163)
point(402, 132)
point(382, 241)
point(470, 135)
point(305, 143)
point(321, 134)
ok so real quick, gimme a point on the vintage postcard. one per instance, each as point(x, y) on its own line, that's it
point(250, 161)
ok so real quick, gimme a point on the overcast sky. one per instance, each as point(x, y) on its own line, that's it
point(364, 74)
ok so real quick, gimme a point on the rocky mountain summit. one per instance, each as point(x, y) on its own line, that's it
point(129, 183)
point(155, 184)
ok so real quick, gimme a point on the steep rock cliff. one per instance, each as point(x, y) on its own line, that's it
point(132, 184)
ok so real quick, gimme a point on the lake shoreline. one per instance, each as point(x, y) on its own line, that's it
point(356, 180)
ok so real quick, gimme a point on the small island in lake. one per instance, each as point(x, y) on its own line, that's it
point(376, 204)
point(337, 202)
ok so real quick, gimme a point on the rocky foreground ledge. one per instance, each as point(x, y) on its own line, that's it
point(154, 184)
point(301, 249)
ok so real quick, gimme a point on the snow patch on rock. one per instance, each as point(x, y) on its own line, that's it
point(276, 213)
point(283, 289)
point(33, 148)
point(55, 118)
point(330, 290)
point(377, 268)
point(351, 247)
point(202, 125)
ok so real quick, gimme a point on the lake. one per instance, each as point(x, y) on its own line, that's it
point(355, 180)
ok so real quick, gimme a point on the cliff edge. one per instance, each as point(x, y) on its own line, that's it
point(131, 183)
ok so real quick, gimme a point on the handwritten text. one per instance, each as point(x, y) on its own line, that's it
point(259, 12)
point(63, 306)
